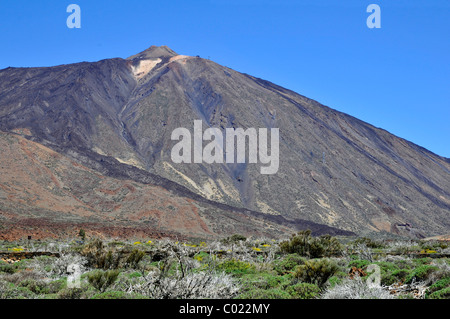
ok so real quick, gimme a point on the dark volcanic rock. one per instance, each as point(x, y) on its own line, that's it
point(117, 117)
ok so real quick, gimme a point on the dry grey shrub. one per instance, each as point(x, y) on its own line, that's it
point(446, 250)
point(194, 285)
point(355, 289)
point(23, 275)
point(243, 250)
point(396, 259)
point(401, 246)
point(417, 289)
point(12, 286)
point(363, 252)
point(443, 271)
point(55, 247)
point(178, 277)
point(58, 267)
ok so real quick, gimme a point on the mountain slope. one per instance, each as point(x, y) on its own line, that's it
point(334, 169)
point(46, 194)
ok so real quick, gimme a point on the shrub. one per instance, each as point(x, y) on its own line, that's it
point(201, 285)
point(396, 276)
point(135, 274)
point(201, 256)
point(52, 266)
point(422, 261)
point(82, 234)
point(159, 254)
point(360, 264)
point(35, 286)
point(438, 285)
point(7, 268)
point(288, 263)
point(369, 243)
point(117, 295)
point(403, 247)
point(334, 280)
point(99, 256)
point(390, 272)
point(313, 247)
point(10, 291)
point(387, 270)
point(23, 275)
point(235, 267)
point(102, 257)
point(264, 281)
point(442, 271)
point(440, 294)
point(420, 273)
point(101, 280)
point(70, 293)
point(234, 239)
point(265, 294)
point(134, 258)
point(304, 291)
point(433, 245)
point(57, 285)
point(355, 289)
point(316, 271)
point(274, 281)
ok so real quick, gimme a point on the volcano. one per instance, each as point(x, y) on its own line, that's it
point(90, 144)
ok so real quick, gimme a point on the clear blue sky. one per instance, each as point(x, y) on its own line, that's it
point(396, 77)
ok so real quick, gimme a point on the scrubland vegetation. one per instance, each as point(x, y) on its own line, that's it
point(301, 267)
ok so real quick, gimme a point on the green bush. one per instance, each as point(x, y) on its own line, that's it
point(389, 272)
point(236, 238)
point(82, 234)
point(134, 258)
point(135, 275)
point(422, 261)
point(264, 281)
point(337, 278)
point(313, 247)
point(117, 295)
point(202, 256)
point(438, 285)
point(359, 263)
point(420, 273)
point(369, 243)
point(304, 291)
point(35, 286)
point(265, 294)
point(10, 291)
point(396, 276)
point(334, 280)
point(403, 264)
point(101, 257)
point(316, 271)
point(101, 280)
point(288, 263)
point(70, 293)
point(236, 267)
point(7, 268)
point(39, 287)
point(433, 245)
point(440, 294)
point(57, 285)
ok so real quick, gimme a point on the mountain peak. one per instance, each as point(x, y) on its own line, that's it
point(154, 52)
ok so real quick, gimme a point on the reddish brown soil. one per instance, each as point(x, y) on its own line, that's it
point(45, 194)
